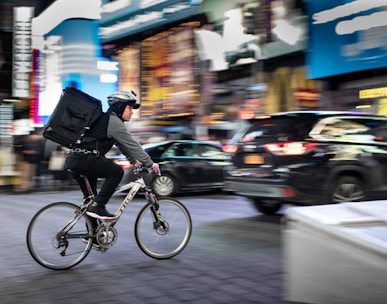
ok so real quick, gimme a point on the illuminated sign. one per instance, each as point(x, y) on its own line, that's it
point(22, 51)
point(142, 19)
point(114, 6)
point(141, 16)
point(373, 93)
point(346, 36)
point(65, 39)
point(148, 3)
point(169, 86)
point(60, 11)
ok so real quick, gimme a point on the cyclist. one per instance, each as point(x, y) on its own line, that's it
point(89, 158)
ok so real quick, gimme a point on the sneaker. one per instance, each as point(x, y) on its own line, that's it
point(99, 212)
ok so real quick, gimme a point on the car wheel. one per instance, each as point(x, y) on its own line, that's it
point(164, 185)
point(347, 189)
point(268, 207)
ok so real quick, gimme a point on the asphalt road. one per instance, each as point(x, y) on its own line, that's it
point(234, 255)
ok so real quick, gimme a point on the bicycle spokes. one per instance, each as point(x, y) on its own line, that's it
point(163, 230)
point(56, 238)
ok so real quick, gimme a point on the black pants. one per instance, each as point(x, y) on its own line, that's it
point(95, 167)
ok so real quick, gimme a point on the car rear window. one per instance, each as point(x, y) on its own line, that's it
point(351, 129)
point(288, 127)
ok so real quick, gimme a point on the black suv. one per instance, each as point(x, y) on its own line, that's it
point(310, 158)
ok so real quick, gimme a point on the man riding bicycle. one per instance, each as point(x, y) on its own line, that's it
point(89, 158)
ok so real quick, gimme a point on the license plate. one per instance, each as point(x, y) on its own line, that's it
point(253, 159)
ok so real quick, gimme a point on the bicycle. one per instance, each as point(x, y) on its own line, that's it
point(60, 235)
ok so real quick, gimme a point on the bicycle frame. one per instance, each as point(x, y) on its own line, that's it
point(134, 187)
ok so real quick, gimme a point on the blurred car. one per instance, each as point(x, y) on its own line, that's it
point(231, 145)
point(309, 158)
point(116, 155)
point(148, 137)
point(186, 165)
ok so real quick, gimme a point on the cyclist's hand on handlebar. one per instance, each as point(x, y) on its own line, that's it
point(155, 169)
point(137, 164)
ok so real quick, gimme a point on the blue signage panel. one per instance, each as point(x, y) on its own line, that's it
point(346, 36)
point(141, 15)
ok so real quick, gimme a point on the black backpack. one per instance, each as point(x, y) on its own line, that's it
point(73, 116)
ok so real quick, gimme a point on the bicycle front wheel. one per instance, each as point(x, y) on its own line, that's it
point(58, 236)
point(167, 234)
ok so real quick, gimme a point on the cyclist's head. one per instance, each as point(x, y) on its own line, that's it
point(119, 100)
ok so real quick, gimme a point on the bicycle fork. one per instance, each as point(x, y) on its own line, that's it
point(159, 224)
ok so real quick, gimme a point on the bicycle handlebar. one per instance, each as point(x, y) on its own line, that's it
point(138, 170)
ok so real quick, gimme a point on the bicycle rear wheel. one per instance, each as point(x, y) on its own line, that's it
point(58, 236)
point(166, 238)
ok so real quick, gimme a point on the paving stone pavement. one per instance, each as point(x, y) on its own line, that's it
point(234, 256)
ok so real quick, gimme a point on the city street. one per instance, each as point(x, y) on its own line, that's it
point(281, 101)
point(234, 256)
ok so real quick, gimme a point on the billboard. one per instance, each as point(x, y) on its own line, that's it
point(22, 51)
point(71, 57)
point(346, 36)
point(243, 32)
point(168, 74)
point(129, 72)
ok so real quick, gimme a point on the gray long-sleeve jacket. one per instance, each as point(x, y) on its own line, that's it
point(128, 145)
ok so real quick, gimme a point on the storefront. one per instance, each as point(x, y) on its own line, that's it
point(374, 99)
point(366, 93)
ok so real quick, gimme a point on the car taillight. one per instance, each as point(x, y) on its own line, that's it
point(290, 148)
point(125, 164)
point(230, 149)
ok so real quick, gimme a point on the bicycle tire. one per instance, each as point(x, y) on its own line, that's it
point(165, 244)
point(43, 236)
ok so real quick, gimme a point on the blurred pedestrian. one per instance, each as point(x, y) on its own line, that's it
point(52, 164)
point(32, 146)
point(56, 163)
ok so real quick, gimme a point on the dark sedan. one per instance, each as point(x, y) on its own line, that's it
point(186, 165)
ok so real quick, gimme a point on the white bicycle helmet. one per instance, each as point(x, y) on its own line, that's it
point(128, 98)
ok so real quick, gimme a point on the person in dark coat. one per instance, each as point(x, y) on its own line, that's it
point(32, 147)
